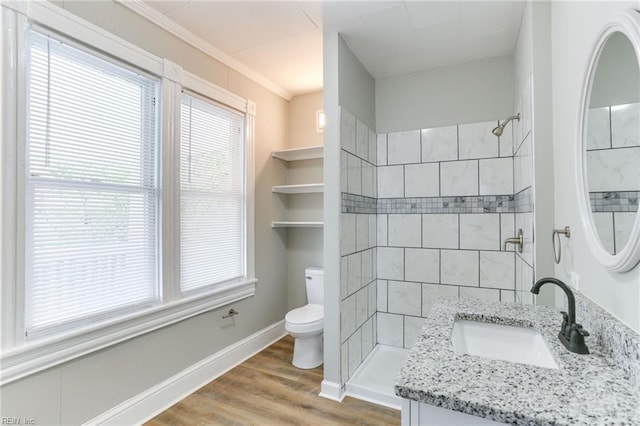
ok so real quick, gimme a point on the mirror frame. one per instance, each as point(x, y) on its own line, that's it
point(626, 22)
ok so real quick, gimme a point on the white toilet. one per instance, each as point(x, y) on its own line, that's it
point(305, 324)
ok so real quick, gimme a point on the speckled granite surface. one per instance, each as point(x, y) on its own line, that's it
point(585, 390)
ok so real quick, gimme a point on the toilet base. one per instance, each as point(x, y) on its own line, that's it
point(308, 351)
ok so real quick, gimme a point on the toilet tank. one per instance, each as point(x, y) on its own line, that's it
point(314, 280)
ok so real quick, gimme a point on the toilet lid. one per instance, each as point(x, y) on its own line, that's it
point(306, 314)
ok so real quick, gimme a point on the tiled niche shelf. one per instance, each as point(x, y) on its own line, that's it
point(298, 154)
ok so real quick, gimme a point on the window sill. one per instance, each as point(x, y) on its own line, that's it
point(36, 356)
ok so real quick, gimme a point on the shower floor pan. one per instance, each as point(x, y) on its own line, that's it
point(373, 380)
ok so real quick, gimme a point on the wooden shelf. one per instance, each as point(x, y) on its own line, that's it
point(307, 188)
point(289, 224)
point(295, 154)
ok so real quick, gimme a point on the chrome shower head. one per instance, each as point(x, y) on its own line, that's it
point(498, 130)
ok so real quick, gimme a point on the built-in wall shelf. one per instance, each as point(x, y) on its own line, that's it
point(294, 154)
point(306, 188)
point(291, 224)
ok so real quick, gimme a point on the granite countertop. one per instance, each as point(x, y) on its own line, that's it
point(584, 390)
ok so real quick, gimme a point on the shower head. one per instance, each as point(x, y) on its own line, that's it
point(498, 130)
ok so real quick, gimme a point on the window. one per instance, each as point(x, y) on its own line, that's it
point(91, 194)
point(212, 194)
point(127, 191)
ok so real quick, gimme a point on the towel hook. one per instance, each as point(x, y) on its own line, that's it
point(557, 251)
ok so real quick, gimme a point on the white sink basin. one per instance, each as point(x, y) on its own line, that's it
point(496, 341)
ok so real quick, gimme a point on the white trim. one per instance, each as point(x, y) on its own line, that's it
point(626, 22)
point(33, 357)
point(172, 27)
point(201, 86)
point(331, 390)
point(365, 394)
point(52, 16)
point(158, 398)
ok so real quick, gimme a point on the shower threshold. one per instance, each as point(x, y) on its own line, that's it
point(373, 381)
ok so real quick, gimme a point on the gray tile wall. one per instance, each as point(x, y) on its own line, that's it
point(445, 202)
point(358, 181)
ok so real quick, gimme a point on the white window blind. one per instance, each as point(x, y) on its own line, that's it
point(91, 197)
point(212, 188)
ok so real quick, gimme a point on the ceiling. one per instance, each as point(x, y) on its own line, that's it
point(282, 40)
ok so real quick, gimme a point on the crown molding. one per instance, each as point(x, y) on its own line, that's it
point(167, 24)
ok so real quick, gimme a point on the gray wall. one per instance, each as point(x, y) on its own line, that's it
point(467, 93)
point(79, 390)
point(574, 27)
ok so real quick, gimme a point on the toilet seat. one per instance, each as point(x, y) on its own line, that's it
point(307, 319)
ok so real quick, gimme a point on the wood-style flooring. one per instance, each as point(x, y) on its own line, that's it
point(267, 390)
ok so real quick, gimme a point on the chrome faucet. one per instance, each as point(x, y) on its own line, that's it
point(517, 241)
point(571, 334)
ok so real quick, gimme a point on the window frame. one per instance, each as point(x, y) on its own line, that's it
point(21, 357)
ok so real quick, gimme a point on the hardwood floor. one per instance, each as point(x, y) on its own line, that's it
point(267, 390)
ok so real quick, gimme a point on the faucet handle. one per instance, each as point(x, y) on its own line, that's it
point(579, 329)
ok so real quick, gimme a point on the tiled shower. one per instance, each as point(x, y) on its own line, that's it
point(424, 215)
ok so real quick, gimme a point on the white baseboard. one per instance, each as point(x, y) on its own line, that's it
point(156, 399)
point(331, 390)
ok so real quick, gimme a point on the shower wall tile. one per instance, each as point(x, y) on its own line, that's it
point(508, 296)
point(372, 304)
point(368, 341)
point(368, 273)
point(625, 125)
point(344, 170)
point(459, 267)
point(362, 140)
point(354, 175)
point(405, 230)
point(382, 229)
point(362, 302)
point(403, 147)
point(440, 231)
point(381, 155)
point(599, 128)
point(440, 144)
point(404, 297)
point(347, 317)
point(422, 180)
point(368, 180)
point(373, 148)
point(355, 352)
point(347, 131)
point(412, 328)
point(480, 293)
point(497, 270)
point(524, 221)
point(390, 181)
point(506, 141)
point(459, 178)
point(432, 292)
point(347, 233)
point(362, 231)
point(624, 224)
point(344, 277)
point(496, 176)
point(344, 361)
point(354, 280)
point(507, 228)
point(390, 263)
point(475, 140)
point(381, 296)
point(390, 329)
point(480, 231)
point(422, 265)
point(523, 166)
point(614, 169)
point(603, 222)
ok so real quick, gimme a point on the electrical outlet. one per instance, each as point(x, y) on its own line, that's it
point(575, 280)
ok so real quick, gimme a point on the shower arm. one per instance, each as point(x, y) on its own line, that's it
point(513, 117)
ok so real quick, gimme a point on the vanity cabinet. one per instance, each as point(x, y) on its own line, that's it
point(415, 413)
point(309, 194)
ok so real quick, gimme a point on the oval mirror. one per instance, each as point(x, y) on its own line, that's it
point(609, 145)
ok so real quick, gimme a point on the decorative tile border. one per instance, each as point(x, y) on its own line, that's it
point(352, 203)
point(425, 205)
point(614, 201)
